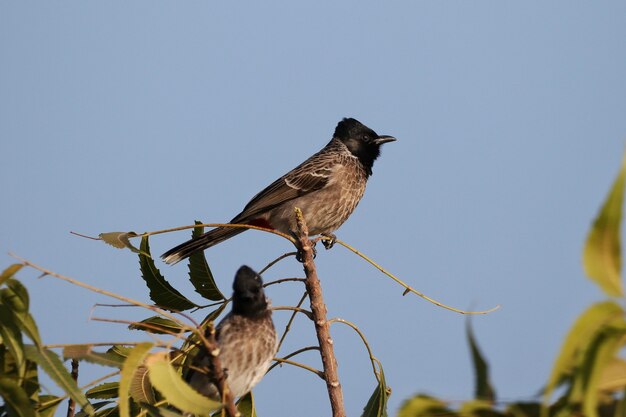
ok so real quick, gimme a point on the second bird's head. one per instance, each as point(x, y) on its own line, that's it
point(361, 141)
point(248, 296)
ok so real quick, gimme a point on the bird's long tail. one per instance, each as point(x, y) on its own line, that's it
point(210, 238)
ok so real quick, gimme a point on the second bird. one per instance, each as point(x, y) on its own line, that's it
point(326, 187)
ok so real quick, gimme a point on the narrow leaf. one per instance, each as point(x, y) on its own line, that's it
point(600, 354)
point(48, 405)
point(119, 240)
point(15, 398)
point(53, 366)
point(9, 272)
point(602, 253)
point(15, 297)
point(157, 325)
point(133, 361)
point(160, 411)
point(200, 274)
point(86, 353)
point(377, 404)
point(424, 405)
point(174, 389)
point(613, 376)
point(12, 338)
point(161, 292)
point(245, 405)
point(104, 391)
point(483, 390)
point(580, 336)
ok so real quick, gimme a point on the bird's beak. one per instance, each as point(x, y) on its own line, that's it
point(384, 139)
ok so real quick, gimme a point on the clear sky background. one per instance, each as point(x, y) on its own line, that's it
point(510, 119)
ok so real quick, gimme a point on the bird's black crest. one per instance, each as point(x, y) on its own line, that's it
point(351, 128)
point(248, 296)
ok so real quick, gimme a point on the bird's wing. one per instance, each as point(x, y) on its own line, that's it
point(306, 178)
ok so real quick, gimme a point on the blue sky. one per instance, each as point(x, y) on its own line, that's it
point(148, 115)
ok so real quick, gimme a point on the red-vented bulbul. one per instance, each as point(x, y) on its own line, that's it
point(326, 187)
point(246, 339)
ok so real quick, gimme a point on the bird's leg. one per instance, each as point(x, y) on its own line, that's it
point(330, 240)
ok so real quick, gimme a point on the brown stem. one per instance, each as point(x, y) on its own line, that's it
point(71, 406)
point(217, 373)
point(322, 326)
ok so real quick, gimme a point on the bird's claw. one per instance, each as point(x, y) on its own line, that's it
point(300, 252)
point(330, 240)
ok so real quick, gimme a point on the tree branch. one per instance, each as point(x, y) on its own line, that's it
point(322, 326)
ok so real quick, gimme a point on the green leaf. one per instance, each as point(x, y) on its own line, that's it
point(86, 353)
point(9, 272)
point(160, 411)
point(602, 253)
point(424, 405)
point(48, 405)
point(200, 274)
point(140, 388)
point(483, 390)
point(600, 354)
point(104, 391)
point(578, 339)
point(15, 297)
point(613, 377)
point(15, 398)
point(478, 408)
point(120, 240)
point(161, 292)
point(174, 389)
point(245, 405)
point(157, 325)
point(134, 360)
point(12, 338)
point(53, 366)
point(377, 404)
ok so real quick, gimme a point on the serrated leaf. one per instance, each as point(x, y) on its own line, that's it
point(483, 390)
point(424, 405)
point(9, 272)
point(100, 409)
point(602, 259)
point(161, 292)
point(15, 398)
point(174, 389)
point(86, 353)
point(601, 352)
point(134, 360)
point(120, 240)
point(140, 388)
point(200, 274)
point(578, 338)
point(157, 325)
point(478, 408)
point(53, 366)
point(104, 391)
point(377, 404)
point(120, 352)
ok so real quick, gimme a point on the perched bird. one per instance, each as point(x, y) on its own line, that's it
point(246, 338)
point(326, 187)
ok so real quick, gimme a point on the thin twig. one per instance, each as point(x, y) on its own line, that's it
point(71, 404)
point(354, 327)
point(291, 355)
point(275, 261)
point(408, 288)
point(322, 327)
point(288, 326)
point(279, 281)
point(295, 310)
point(300, 365)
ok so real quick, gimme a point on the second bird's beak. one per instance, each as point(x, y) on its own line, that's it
point(384, 139)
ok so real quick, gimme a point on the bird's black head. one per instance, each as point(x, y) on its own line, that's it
point(248, 296)
point(362, 141)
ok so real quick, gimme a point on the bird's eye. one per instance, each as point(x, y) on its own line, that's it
point(366, 138)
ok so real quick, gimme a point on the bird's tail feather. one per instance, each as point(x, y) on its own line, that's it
point(210, 238)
